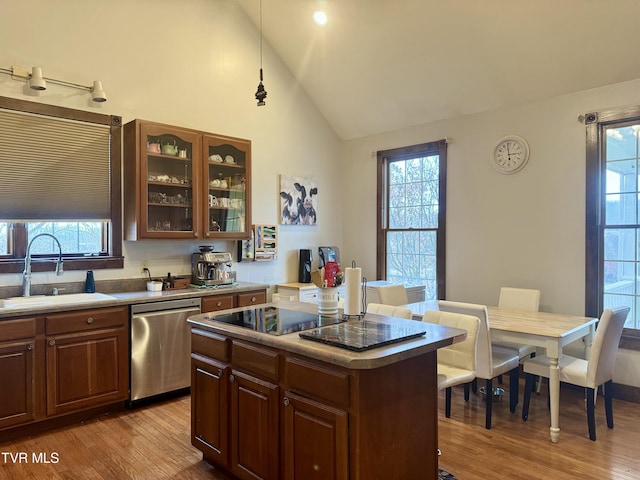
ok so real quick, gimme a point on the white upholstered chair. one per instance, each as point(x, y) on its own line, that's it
point(457, 362)
point(393, 295)
point(519, 299)
point(490, 362)
point(389, 310)
point(590, 374)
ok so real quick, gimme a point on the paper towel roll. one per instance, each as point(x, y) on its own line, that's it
point(353, 282)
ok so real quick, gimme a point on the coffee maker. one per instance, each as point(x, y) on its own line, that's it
point(211, 268)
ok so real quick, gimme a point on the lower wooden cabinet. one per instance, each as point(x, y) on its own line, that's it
point(17, 377)
point(254, 432)
point(62, 363)
point(267, 413)
point(209, 407)
point(242, 422)
point(315, 440)
point(20, 351)
point(251, 298)
point(217, 302)
point(214, 303)
point(234, 415)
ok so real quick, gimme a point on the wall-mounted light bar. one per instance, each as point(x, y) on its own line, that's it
point(39, 82)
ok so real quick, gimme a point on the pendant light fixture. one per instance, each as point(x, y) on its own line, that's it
point(261, 93)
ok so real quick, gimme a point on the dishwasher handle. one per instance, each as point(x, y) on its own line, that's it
point(165, 305)
point(178, 312)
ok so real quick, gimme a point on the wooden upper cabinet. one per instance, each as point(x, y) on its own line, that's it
point(185, 184)
point(226, 181)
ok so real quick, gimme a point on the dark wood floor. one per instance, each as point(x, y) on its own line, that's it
point(153, 442)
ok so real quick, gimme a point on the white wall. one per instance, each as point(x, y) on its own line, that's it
point(193, 64)
point(524, 230)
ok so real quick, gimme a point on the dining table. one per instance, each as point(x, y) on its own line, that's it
point(548, 330)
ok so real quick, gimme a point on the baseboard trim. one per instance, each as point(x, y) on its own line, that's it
point(626, 393)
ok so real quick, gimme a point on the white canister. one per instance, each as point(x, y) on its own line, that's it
point(328, 301)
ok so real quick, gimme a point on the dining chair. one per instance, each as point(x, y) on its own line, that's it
point(519, 299)
point(589, 374)
point(389, 310)
point(490, 362)
point(393, 295)
point(457, 362)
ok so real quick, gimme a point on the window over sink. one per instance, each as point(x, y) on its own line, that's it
point(61, 176)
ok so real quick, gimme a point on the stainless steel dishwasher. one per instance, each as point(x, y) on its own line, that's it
point(161, 347)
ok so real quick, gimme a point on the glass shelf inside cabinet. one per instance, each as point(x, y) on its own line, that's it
point(169, 184)
point(227, 173)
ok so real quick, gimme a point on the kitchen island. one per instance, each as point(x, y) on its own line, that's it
point(269, 404)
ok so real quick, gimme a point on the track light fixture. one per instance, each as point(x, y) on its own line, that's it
point(261, 93)
point(97, 92)
point(37, 81)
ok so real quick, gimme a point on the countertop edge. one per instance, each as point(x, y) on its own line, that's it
point(129, 298)
point(437, 337)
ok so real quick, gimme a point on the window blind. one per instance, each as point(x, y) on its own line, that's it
point(53, 169)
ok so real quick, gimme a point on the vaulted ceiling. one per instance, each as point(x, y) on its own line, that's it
point(383, 65)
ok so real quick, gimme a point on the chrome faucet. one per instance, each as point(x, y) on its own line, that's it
point(26, 275)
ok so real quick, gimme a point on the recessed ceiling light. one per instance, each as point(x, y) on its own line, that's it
point(320, 18)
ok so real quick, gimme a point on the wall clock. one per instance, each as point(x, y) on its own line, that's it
point(510, 155)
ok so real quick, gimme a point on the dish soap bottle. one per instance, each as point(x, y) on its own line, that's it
point(90, 283)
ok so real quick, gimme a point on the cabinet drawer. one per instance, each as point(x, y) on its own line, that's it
point(13, 329)
point(252, 298)
point(310, 296)
point(86, 320)
point(210, 345)
point(317, 381)
point(259, 361)
point(216, 302)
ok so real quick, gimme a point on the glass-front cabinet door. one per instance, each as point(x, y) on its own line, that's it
point(167, 189)
point(227, 173)
point(185, 184)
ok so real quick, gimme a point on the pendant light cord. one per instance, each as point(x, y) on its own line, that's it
point(261, 93)
point(260, 39)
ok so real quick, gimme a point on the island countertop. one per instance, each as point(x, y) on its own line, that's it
point(436, 337)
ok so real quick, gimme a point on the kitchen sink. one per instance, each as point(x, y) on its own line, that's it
point(43, 300)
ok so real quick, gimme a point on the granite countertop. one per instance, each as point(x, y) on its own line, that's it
point(436, 337)
point(128, 298)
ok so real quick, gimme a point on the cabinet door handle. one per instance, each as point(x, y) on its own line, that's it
point(30, 346)
point(195, 234)
point(52, 342)
point(286, 401)
point(208, 234)
point(232, 378)
point(90, 320)
point(220, 372)
point(219, 304)
point(253, 299)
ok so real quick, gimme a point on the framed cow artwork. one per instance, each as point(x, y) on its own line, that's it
point(298, 200)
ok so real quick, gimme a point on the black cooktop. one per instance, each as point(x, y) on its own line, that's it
point(366, 334)
point(274, 320)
